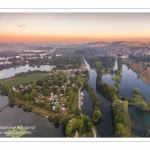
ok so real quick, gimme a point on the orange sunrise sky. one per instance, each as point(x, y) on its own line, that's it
point(73, 27)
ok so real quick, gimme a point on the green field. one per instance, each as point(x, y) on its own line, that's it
point(14, 81)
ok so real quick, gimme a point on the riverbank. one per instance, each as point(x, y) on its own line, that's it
point(128, 127)
point(137, 67)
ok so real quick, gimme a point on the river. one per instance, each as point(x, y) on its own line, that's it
point(5, 73)
point(15, 116)
point(105, 125)
point(43, 128)
point(140, 119)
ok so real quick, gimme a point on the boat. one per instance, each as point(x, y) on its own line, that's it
point(82, 94)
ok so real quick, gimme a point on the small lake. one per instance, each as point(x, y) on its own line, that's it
point(12, 71)
point(14, 116)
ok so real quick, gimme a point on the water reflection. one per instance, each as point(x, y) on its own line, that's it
point(12, 71)
point(105, 125)
point(14, 116)
point(3, 101)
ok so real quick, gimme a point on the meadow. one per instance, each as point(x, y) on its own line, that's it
point(14, 81)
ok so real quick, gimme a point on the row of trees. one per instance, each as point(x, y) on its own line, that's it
point(120, 109)
point(96, 111)
point(21, 74)
point(140, 58)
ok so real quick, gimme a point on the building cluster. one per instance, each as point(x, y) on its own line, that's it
point(126, 52)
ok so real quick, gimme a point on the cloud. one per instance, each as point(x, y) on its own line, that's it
point(20, 26)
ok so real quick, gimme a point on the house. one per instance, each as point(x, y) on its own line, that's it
point(82, 94)
point(55, 103)
point(14, 89)
point(61, 94)
point(36, 101)
point(53, 107)
point(62, 108)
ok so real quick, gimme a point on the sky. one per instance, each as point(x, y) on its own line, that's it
point(74, 27)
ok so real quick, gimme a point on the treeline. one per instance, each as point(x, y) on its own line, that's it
point(106, 88)
point(66, 62)
point(140, 58)
point(23, 74)
point(96, 111)
point(120, 110)
point(100, 62)
point(3, 89)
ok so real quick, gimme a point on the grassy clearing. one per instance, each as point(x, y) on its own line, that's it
point(14, 81)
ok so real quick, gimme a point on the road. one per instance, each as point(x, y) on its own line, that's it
point(94, 133)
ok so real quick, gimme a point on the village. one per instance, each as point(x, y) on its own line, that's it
point(53, 92)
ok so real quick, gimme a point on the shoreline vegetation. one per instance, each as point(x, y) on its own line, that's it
point(96, 112)
point(138, 100)
point(37, 95)
point(122, 119)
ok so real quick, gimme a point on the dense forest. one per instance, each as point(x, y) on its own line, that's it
point(100, 62)
point(66, 62)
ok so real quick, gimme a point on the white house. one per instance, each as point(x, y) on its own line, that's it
point(53, 107)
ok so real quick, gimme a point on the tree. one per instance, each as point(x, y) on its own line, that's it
point(45, 92)
point(96, 115)
point(120, 118)
point(115, 97)
point(119, 106)
point(26, 96)
point(68, 131)
point(142, 105)
point(120, 130)
point(117, 84)
point(136, 91)
point(56, 119)
point(148, 133)
point(57, 109)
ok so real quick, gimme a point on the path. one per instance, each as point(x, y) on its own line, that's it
point(94, 133)
point(76, 134)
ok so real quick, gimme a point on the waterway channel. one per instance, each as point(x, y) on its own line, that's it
point(14, 116)
point(140, 119)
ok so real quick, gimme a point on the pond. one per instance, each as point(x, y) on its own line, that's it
point(15, 116)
